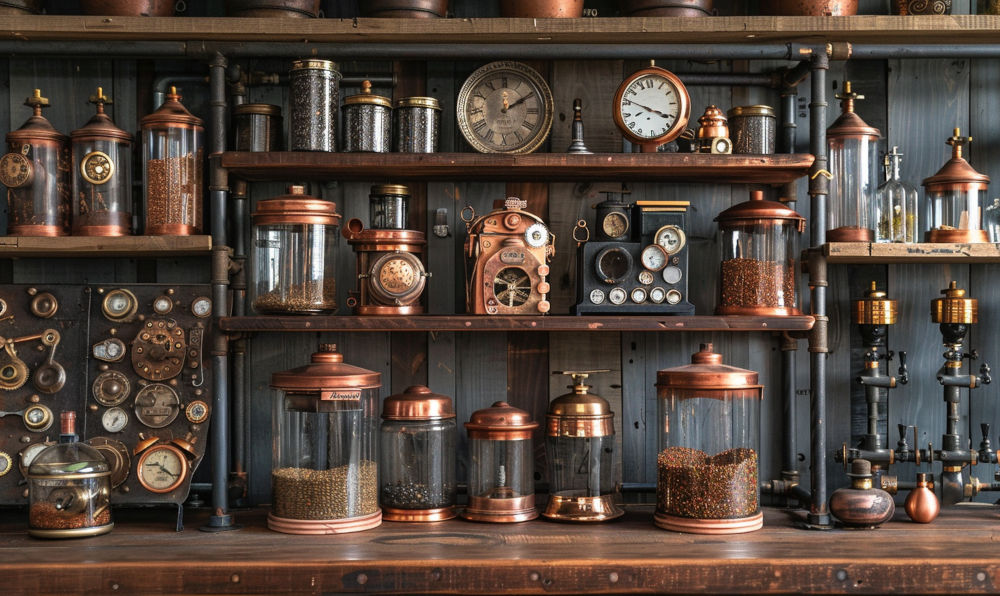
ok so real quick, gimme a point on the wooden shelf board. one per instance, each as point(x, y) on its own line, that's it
point(109, 246)
point(879, 29)
point(924, 252)
point(252, 324)
point(678, 167)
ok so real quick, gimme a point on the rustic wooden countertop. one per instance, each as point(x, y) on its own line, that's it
point(955, 554)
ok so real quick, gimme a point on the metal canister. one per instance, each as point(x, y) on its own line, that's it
point(388, 206)
point(314, 97)
point(752, 129)
point(367, 122)
point(258, 127)
point(418, 124)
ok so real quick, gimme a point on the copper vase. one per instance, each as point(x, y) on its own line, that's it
point(809, 8)
point(922, 504)
point(129, 8)
point(541, 8)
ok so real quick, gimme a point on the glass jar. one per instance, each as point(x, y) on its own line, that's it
point(314, 96)
point(102, 175)
point(294, 254)
point(954, 196)
point(367, 122)
point(853, 151)
point(387, 206)
point(752, 129)
point(418, 456)
point(580, 446)
point(258, 127)
point(325, 472)
point(991, 220)
point(709, 440)
point(501, 465)
point(69, 488)
point(896, 208)
point(35, 171)
point(759, 258)
point(418, 124)
point(173, 163)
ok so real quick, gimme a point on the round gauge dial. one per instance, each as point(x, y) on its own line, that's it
point(37, 418)
point(117, 455)
point(111, 388)
point(6, 463)
point(674, 297)
point(672, 274)
point(161, 468)
point(397, 278)
point(657, 295)
point(597, 296)
point(722, 145)
point(504, 107)
point(114, 420)
point(615, 225)
point(157, 405)
point(201, 307)
point(119, 305)
point(646, 277)
point(163, 305)
point(15, 170)
point(109, 350)
point(671, 238)
point(97, 167)
point(28, 455)
point(654, 257)
point(196, 412)
point(612, 264)
point(537, 235)
point(638, 295)
point(512, 286)
point(617, 296)
point(652, 106)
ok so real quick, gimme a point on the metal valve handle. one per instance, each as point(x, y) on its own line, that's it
point(904, 373)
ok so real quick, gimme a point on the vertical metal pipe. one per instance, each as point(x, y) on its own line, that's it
point(789, 95)
point(791, 449)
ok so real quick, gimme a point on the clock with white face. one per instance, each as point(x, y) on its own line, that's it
point(652, 107)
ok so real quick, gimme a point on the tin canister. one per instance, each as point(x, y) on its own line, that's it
point(258, 127)
point(752, 129)
point(313, 98)
point(367, 122)
point(418, 124)
point(387, 204)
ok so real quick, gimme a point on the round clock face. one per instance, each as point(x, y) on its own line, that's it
point(652, 106)
point(536, 235)
point(161, 468)
point(671, 238)
point(505, 107)
point(15, 170)
point(614, 225)
point(97, 167)
point(654, 257)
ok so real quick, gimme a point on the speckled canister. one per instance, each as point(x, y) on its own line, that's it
point(258, 127)
point(367, 122)
point(752, 129)
point(418, 124)
point(314, 95)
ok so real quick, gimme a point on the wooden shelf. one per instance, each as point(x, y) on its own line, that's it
point(546, 167)
point(924, 252)
point(111, 246)
point(253, 324)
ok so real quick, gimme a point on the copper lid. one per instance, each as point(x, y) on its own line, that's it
point(501, 421)
point(326, 372)
point(257, 108)
point(850, 124)
point(580, 413)
point(356, 233)
point(389, 189)
point(367, 97)
point(171, 112)
point(956, 174)
point(758, 110)
point(418, 102)
point(314, 64)
point(707, 376)
point(100, 125)
point(296, 207)
point(955, 307)
point(417, 403)
point(875, 308)
point(757, 209)
point(36, 126)
point(712, 124)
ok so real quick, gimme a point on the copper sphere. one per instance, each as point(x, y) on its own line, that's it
point(922, 504)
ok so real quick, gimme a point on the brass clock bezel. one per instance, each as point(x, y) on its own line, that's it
point(25, 175)
point(92, 156)
point(649, 144)
point(512, 70)
point(156, 449)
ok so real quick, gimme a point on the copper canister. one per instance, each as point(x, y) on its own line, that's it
point(543, 9)
point(258, 127)
point(273, 8)
point(501, 474)
point(666, 8)
point(367, 122)
point(129, 8)
point(391, 276)
point(102, 175)
point(35, 171)
point(417, 9)
point(809, 8)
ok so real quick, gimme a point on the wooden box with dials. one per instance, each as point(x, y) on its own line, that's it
point(129, 360)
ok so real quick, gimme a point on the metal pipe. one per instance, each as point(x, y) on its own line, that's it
point(927, 50)
point(163, 82)
point(791, 449)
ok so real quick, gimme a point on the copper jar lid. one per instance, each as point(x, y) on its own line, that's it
point(326, 373)
point(417, 403)
point(500, 422)
point(419, 102)
point(100, 126)
point(955, 307)
point(367, 97)
point(265, 109)
point(172, 112)
point(36, 127)
point(357, 234)
point(296, 207)
point(580, 413)
point(757, 110)
point(757, 210)
point(956, 174)
point(314, 64)
point(707, 376)
point(713, 124)
point(389, 189)
point(849, 124)
point(875, 308)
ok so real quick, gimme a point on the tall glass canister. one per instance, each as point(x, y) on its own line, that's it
point(955, 198)
point(853, 154)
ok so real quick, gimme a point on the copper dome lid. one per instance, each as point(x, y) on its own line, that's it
point(36, 126)
point(100, 126)
point(296, 207)
point(757, 210)
point(712, 124)
point(956, 173)
point(501, 421)
point(326, 372)
point(580, 413)
point(849, 124)
point(172, 112)
point(707, 376)
point(417, 403)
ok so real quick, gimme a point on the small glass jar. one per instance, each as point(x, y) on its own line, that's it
point(173, 163)
point(752, 129)
point(759, 258)
point(501, 465)
point(258, 127)
point(954, 197)
point(314, 92)
point(294, 254)
point(35, 171)
point(853, 153)
point(102, 176)
point(418, 124)
point(387, 206)
point(991, 220)
point(709, 440)
point(580, 446)
point(418, 456)
point(896, 209)
point(325, 472)
point(367, 122)
point(69, 488)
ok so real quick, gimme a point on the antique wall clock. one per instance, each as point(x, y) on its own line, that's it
point(505, 107)
point(651, 107)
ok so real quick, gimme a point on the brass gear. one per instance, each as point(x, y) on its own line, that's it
point(13, 371)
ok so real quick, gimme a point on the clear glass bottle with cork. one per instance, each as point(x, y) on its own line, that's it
point(896, 207)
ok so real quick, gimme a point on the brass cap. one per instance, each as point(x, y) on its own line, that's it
point(757, 211)
point(326, 373)
point(315, 64)
point(418, 102)
point(417, 403)
point(36, 126)
point(100, 126)
point(712, 124)
point(956, 173)
point(757, 110)
point(707, 376)
point(875, 308)
point(955, 307)
point(500, 422)
point(257, 108)
point(172, 112)
point(389, 189)
point(367, 97)
point(849, 124)
point(296, 207)
point(580, 413)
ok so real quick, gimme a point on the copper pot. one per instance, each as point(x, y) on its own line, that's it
point(809, 8)
point(666, 8)
point(20, 6)
point(414, 9)
point(541, 8)
point(129, 8)
point(302, 9)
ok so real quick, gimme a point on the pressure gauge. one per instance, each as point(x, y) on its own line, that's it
point(597, 296)
point(657, 295)
point(646, 277)
point(674, 297)
point(397, 277)
point(652, 107)
point(114, 420)
point(6, 463)
point(15, 170)
point(37, 418)
point(196, 412)
point(617, 296)
point(157, 405)
point(163, 305)
point(111, 388)
point(536, 235)
point(119, 305)
point(109, 350)
point(201, 307)
point(161, 468)
point(615, 225)
point(117, 455)
point(638, 295)
point(97, 167)
point(672, 274)
point(671, 238)
point(654, 257)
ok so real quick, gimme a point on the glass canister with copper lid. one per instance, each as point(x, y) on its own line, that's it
point(418, 456)
point(709, 441)
point(501, 465)
point(580, 446)
point(853, 153)
point(102, 175)
point(172, 165)
point(35, 171)
point(955, 197)
point(325, 469)
point(294, 254)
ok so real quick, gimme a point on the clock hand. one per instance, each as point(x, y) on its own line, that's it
point(521, 100)
point(648, 109)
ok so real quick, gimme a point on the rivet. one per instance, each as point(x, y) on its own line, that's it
point(613, 577)
point(114, 586)
point(841, 574)
point(235, 578)
point(981, 576)
point(534, 576)
point(362, 579)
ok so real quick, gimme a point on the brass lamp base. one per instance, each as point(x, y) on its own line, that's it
point(583, 509)
point(324, 526)
point(418, 515)
point(499, 510)
point(709, 526)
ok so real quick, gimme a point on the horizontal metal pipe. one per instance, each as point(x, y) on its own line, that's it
point(927, 50)
point(724, 79)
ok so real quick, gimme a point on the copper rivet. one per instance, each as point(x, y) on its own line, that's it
point(235, 578)
point(362, 579)
point(534, 576)
point(114, 586)
point(613, 578)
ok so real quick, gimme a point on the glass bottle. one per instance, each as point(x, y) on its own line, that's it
point(896, 207)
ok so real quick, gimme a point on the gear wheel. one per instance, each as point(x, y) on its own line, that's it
point(13, 374)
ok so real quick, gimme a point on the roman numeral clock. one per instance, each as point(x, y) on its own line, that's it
point(651, 107)
point(505, 107)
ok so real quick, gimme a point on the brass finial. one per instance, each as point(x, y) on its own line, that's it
point(37, 102)
point(848, 97)
point(100, 100)
point(957, 141)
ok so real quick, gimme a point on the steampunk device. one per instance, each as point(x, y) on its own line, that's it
point(506, 260)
